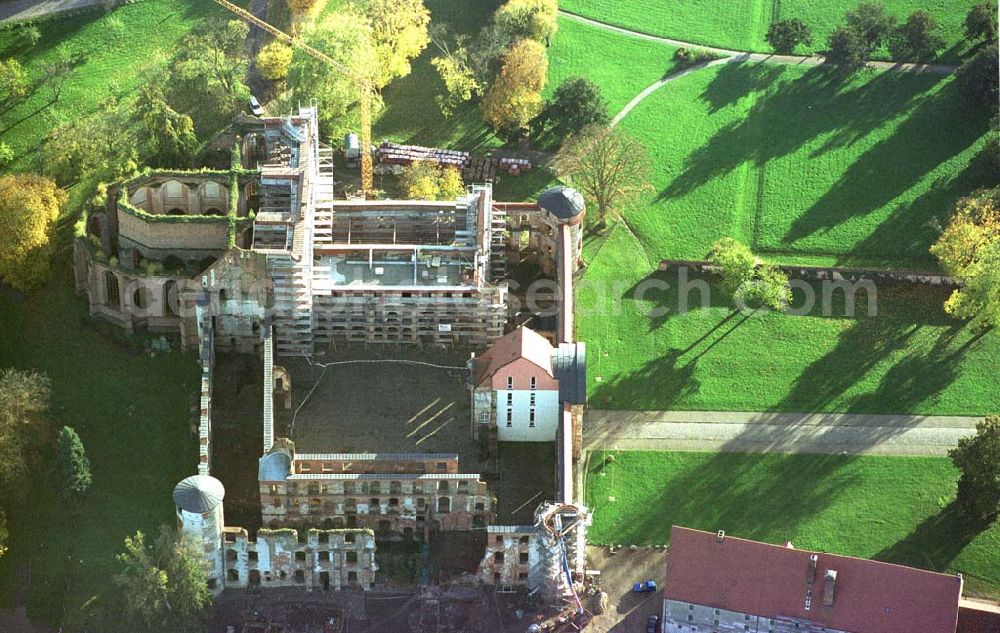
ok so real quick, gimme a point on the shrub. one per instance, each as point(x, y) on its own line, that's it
point(687, 57)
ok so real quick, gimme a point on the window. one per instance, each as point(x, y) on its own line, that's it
point(349, 537)
point(252, 557)
point(352, 557)
point(510, 382)
point(510, 418)
point(522, 558)
point(531, 418)
point(305, 467)
point(300, 557)
point(484, 417)
point(534, 384)
point(532, 402)
point(498, 557)
point(327, 467)
point(510, 399)
point(442, 466)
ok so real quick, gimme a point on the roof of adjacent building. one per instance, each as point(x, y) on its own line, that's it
point(563, 202)
point(199, 493)
point(274, 466)
point(569, 364)
point(771, 581)
point(978, 617)
point(521, 343)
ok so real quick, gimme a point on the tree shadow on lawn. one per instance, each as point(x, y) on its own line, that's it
point(745, 494)
point(909, 231)
point(789, 115)
point(937, 541)
point(916, 378)
point(923, 141)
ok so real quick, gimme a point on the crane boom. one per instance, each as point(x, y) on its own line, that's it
point(364, 85)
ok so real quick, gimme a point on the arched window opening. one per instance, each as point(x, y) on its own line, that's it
point(112, 291)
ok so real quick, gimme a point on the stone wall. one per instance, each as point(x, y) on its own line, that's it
point(832, 273)
point(314, 559)
point(392, 505)
point(159, 239)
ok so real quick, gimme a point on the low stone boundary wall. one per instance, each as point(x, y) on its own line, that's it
point(834, 273)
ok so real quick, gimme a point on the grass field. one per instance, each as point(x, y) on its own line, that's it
point(113, 48)
point(909, 358)
point(741, 24)
point(131, 412)
point(801, 166)
point(897, 509)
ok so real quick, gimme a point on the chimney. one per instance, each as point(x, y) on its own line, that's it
point(720, 536)
point(811, 571)
point(828, 587)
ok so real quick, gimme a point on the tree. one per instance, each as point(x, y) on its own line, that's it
point(750, 282)
point(301, 8)
point(74, 465)
point(13, 83)
point(207, 75)
point(56, 71)
point(576, 103)
point(872, 24)
point(168, 135)
point(978, 459)
point(969, 249)
point(977, 76)
point(534, 19)
point(426, 180)
point(96, 145)
point(273, 61)
point(28, 35)
point(736, 263)
point(163, 585)
point(6, 155)
point(981, 23)
point(24, 429)
point(29, 208)
point(847, 50)
point(916, 38)
point(608, 166)
point(346, 36)
point(399, 29)
point(785, 35)
point(515, 97)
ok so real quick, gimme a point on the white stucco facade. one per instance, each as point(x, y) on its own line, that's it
point(521, 425)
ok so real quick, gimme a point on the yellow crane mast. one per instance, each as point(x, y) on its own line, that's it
point(365, 86)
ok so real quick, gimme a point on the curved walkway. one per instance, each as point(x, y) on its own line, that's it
point(775, 432)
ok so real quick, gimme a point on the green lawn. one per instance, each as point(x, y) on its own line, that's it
point(742, 24)
point(909, 358)
point(113, 48)
point(802, 167)
point(897, 509)
point(131, 412)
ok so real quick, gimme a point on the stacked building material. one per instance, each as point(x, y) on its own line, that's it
point(514, 166)
point(398, 154)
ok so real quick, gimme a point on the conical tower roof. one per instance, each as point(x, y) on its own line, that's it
point(199, 493)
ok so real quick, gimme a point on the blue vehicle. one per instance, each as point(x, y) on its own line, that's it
point(646, 586)
point(653, 624)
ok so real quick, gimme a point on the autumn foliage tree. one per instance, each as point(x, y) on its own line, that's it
point(535, 19)
point(301, 8)
point(426, 180)
point(610, 167)
point(29, 208)
point(399, 31)
point(273, 61)
point(515, 97)
point(969, 249)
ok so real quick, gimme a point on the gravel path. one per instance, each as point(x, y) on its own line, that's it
point(14, 10)
point(775, 432)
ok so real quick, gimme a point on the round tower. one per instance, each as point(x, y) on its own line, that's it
point(200, 520)
point(566, 206)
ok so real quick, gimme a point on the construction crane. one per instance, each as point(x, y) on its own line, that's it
point(365, 86)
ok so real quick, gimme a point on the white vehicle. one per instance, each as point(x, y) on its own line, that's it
point(255, 106)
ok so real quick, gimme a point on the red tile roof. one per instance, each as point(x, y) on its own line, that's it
point(521, 343)
point(771, 581)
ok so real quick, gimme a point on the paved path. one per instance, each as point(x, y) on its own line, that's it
point(775, 432)
point(13, 10)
